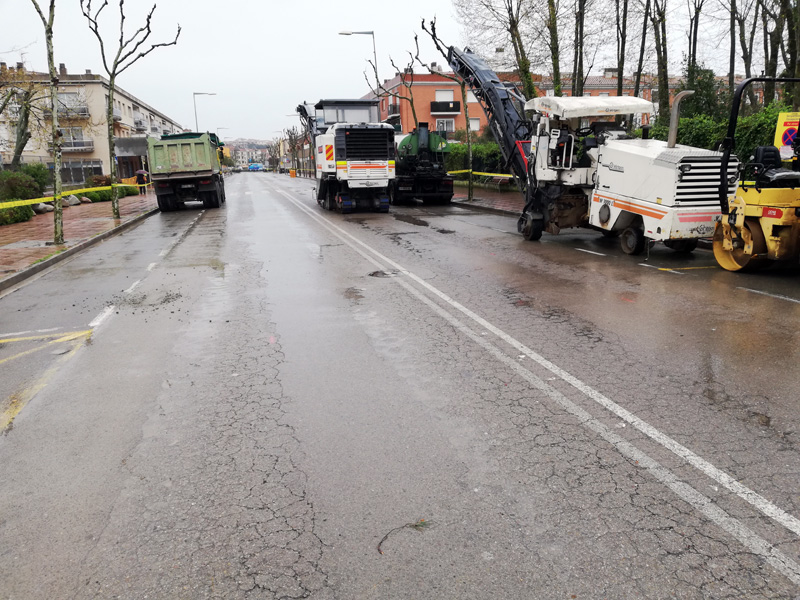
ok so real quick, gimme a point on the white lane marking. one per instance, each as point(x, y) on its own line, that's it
point(589, 252)
point(778, 296)
point(151, 266)
point(789, 521)
point(104, 314)
point(133, 286)
point(180, 237)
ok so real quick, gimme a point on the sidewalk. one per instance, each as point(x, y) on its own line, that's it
point(510, 202)
point(23, 245)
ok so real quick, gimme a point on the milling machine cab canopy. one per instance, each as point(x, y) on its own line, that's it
point(576, 107)
point(330, 112)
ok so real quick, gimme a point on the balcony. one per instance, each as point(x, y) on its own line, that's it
point(117, 114)
point(76, 146)
point(445, 108)
point(394, 109)
point(139, 125)
point(155, 129)
point(69, 112)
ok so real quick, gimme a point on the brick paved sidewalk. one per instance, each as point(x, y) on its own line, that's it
point(511, 202)
point(24, 244)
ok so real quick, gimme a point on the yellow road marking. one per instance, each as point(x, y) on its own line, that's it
point(18, 401)
point(64, 337)
point(68, 337)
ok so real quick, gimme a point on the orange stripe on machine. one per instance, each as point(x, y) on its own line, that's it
point(697, 217)
point(329, 151)
point(645, 211)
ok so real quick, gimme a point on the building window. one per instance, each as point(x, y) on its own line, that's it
point(444, 95)
point(471, 97)
point(474, 124)
point(445, 125)
point(551, 93)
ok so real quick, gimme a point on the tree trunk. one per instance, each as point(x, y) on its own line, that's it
point(23, 134)
point(112, 151)
point(642, 47)
point(732, 58)
point(58, 213)
point(659, 19)
point(622, 34)
point(747, 55)
point(552, 26)
point(469, 141)
point(772, 42)
point(523, 63)
point(791, 12)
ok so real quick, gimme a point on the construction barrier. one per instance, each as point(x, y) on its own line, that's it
point(14, 203)
point(479, 173)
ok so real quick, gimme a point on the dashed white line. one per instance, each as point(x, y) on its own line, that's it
point(589, 252)
point(133, 286)
point(151, 266)
point(98, 320)
point(700, 502)
point(778, 296)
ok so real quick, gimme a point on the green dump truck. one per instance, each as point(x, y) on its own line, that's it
point(185, 167)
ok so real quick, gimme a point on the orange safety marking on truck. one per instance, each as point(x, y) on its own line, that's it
point(645, 211)
point(329, 151)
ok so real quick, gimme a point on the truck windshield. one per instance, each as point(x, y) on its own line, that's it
point(350, 115)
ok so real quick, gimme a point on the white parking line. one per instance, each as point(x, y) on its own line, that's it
point(589, 252)
point(699, 501)
point(778, 296)
point(104, 314)
point(151, 266)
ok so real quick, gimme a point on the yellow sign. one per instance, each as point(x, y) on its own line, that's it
point(785, 133)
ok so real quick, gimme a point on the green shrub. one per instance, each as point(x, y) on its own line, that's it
point(100, 180)
point(486, 158)
point(16, 214)
point(93, 196)
point(128, 190)
point(17, 186)
point(40, 173)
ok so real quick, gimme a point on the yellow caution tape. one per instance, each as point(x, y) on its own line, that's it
point(479, 173)
point(14, 203)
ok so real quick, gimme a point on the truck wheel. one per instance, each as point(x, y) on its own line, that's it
point(167, 202)
point(531, 229)
point(211, 199)
point(632, 241)
point(682, 246)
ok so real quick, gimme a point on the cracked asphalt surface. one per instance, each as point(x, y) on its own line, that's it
point(278, 390)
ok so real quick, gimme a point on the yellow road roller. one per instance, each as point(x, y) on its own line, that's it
point(761, 222)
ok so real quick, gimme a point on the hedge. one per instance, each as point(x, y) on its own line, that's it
point(16, 214)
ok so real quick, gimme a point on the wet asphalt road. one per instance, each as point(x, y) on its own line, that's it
point(278, 391)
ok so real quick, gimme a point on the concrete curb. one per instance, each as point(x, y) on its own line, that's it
point(21, 276)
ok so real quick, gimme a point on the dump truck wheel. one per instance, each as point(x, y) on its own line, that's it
point(167, 203)
point(736, 259)
point(682, 246)
point(632, 241)
point(211, 200)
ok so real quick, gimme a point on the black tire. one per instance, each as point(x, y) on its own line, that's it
point(166, 203)
point(632, 240)
point(531, 229)
point(211, 199)
point(682, 246)
point(609, 233)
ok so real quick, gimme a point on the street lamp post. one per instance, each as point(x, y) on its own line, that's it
point(374, 54)
point(194, 99)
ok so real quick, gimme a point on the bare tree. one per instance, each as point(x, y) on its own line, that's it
point(440, 46)
point(695, 8)
point(294, 140)
point(129, 51)
point(643, 45)
point(773, 23)
point(621, 13)
point(499, 22)
point(58, 215)
point(791, 12)
point(578, 48)
point(658, 17)
point(407, 81)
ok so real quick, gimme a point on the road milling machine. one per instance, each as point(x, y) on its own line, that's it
point(761, 222)
point(353, 153)
point(579, 168)
point(421, 171)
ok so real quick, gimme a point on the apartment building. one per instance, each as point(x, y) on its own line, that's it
point(82, 119)
point(437, 101)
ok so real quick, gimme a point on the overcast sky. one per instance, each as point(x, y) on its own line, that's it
point(260, 57)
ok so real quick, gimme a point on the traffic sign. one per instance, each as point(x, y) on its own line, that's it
point(785, 133)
